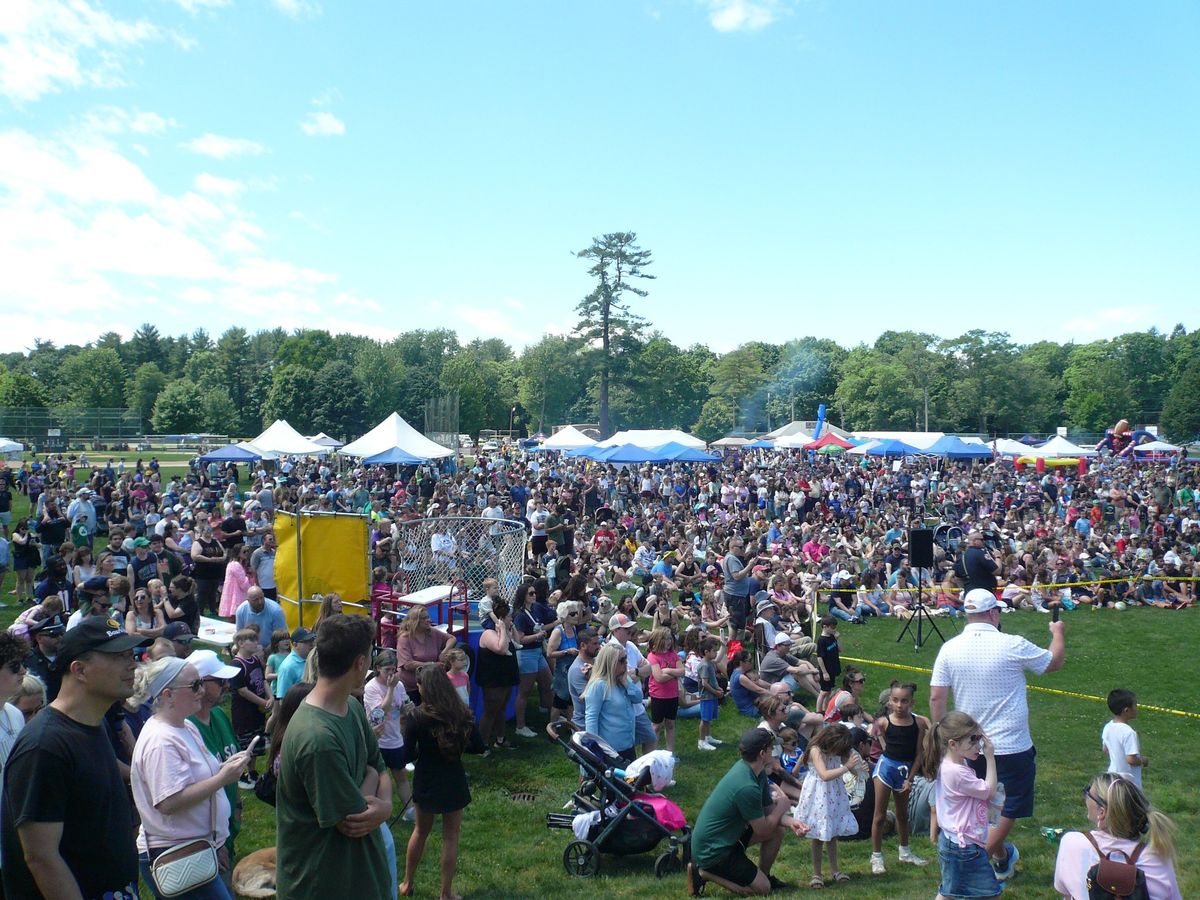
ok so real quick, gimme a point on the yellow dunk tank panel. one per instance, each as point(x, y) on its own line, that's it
point(319, 554)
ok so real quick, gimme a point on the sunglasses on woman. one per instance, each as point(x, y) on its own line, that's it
point(16, 667)
point(1088, 795)
point(194, 686)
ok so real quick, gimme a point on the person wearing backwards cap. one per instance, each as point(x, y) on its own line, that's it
point(93, 601)
point(53, 845)
point(177, 783)
point(985, 671)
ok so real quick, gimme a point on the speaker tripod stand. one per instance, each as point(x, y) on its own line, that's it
point(920, 615)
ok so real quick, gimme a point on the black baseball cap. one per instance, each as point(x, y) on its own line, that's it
point(303, 635)
point(95, 633)
point(55, 624)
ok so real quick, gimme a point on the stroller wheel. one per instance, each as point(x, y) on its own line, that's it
point(581, 859)
point(668, 864)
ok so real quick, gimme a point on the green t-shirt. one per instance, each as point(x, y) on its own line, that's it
point(739, 798)
point(222, 743)
point(81, 535)
point(322, 767)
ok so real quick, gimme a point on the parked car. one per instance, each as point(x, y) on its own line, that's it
point(491, 445)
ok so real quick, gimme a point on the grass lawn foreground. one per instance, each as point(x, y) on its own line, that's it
point(507, 851)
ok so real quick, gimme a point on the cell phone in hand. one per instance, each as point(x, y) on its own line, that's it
point(254, 744)
point(1054, 614)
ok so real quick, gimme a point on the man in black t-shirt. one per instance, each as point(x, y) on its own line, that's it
point(233, 529)
point(67, 825)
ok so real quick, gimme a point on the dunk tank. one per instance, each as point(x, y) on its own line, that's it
point(441, 564)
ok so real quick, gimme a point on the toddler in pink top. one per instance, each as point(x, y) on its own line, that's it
point(961, 808)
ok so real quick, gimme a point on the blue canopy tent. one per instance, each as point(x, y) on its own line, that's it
point(673, 452)
point(760, 444)
point(234, 453)
point(394, 456)
point(629, 453)
point(953, 447)
point(893, 448)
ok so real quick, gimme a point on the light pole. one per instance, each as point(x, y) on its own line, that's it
point(768, 410)
point(512, 412)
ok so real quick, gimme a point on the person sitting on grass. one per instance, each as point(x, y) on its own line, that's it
point(743, 809)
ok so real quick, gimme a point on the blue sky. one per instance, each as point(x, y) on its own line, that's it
point(834, 169)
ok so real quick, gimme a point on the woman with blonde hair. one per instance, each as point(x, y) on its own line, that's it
point(611, 700)
point(1124, 820)
point(417, 643)
point(178, 785)
point(562, 650)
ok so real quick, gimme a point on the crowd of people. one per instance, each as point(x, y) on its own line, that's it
point(745, 569)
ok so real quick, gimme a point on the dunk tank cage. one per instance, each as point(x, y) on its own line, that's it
point(318, 553)
point(442, 564)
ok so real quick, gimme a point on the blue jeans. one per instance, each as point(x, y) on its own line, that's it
point(389, 847)
point(838, 613)
point(214, 890)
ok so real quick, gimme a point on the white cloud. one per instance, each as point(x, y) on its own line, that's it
point(297, 9)
point(50, 45)
point(322, 124)
point(221, 187)
point(219, 147)
point(195, 6)
point(488, 322)
point(742, 15)
point(84, 231)
point(115, 120)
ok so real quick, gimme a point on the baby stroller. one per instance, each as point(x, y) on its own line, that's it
point(623, 825)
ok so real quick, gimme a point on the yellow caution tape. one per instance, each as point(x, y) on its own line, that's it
point(1028, 687)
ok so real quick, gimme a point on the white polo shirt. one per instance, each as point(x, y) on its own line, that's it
point(985, 671)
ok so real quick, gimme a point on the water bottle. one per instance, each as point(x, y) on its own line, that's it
point(995, 805)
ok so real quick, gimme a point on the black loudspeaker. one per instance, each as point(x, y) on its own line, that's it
point(920, 548)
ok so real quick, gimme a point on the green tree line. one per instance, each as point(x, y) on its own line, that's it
point(617, 370)
point(343, 383)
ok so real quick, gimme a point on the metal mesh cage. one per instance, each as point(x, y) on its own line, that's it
point(435, 552)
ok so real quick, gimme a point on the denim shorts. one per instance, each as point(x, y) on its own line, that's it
point(966, 871)
point(530, 662)
point(891, 772)
point(643, 730)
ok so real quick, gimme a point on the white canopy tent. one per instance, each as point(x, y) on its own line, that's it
point(793, 441)
point(326, 441)
point(731, 442)
point(652, 438)
point(1059, 447)
point(1009, 447)
point(1156, 447)
point(569, 438)
point(391, 434)
point(284, 440)
point(7, 446)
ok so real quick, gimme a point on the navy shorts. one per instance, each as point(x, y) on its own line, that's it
point(709, 709)
point(393, 757)
point(739, 610)
point(892, 772)
point(966, 871)
point(1017, 772)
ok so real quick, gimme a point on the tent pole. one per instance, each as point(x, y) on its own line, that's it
point(299, 572)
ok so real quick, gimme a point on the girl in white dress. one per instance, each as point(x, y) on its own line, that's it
point(824, 805)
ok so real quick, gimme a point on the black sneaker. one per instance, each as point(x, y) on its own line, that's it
point(777, 885)
point(695, 884)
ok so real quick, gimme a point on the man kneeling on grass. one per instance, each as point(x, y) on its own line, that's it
point(743, 809)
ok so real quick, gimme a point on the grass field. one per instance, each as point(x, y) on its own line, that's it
point(507, 851)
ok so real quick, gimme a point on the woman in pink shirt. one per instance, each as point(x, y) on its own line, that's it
point(1124, 819)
